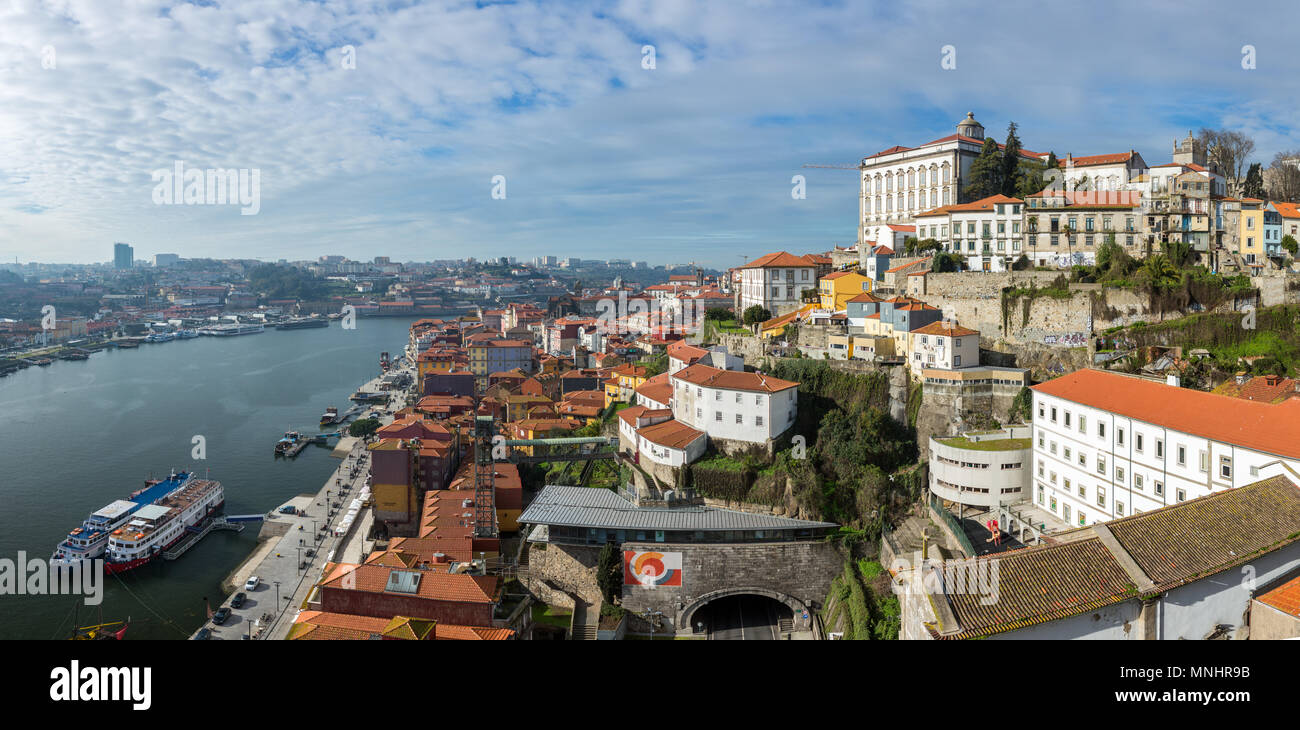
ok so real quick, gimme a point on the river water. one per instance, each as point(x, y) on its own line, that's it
point(75, 436)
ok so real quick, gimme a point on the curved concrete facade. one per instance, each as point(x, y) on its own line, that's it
point(980, 477)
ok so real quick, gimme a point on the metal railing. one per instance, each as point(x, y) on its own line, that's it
point(953, 524)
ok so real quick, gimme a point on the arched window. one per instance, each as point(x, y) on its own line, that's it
point(911, 178)
point(920, 178)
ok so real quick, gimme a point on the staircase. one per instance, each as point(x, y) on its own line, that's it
point(585, 621)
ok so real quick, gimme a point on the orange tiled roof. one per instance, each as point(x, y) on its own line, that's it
point(779, 259)
point(939, 328)
point(671, 433)
point(1265, 427)
point(1090, 160)
point(711, 377)
point(1285, 598)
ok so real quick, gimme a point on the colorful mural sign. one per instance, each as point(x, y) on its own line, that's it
point(651, 569)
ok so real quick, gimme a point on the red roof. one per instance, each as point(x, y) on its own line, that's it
point(1090, 160)
point(939, 328)
point(1285, 598)
point(1272, 429)
point(671, 433)
point(779, 259)
point(712, 377)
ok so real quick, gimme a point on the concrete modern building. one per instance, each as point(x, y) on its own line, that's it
point(982, 468)
point(1107, 445)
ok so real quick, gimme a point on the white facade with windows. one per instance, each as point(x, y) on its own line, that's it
point(732, 408)
point(1091, 465)
point(776, 282)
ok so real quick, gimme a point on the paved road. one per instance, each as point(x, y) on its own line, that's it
point(742, 618)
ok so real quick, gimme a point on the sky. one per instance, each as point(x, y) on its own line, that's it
point(380, 128)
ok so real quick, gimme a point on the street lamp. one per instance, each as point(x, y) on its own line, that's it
point(277, 596)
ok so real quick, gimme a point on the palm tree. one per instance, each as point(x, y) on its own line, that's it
point(1161, 273)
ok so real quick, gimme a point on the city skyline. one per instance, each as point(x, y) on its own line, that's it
point(601, 157)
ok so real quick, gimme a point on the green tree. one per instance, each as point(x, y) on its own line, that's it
point(928, 245)
point(1011, 171)
point(1289, 243)
point(1160, 273)
point(718, 313)
point(755, 314)
point(985, 172)
point(1254, 185)
point(363, 427)
point(609, 573)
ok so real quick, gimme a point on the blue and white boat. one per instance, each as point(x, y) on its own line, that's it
point(88, 541)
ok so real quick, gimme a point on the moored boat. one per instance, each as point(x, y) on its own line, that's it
point(154, 528)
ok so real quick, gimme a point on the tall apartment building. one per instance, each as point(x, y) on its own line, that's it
point(123, 256)
point(1108, 445)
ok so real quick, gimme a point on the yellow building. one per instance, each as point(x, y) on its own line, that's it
point(622, 381)
point(834, 290)
point(1251, 246)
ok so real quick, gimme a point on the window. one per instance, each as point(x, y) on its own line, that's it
point(1083, 492)
point(1040, 467)
point(1065, 512)
point(699, 413)
point(1101, 496)
point(1137, 481)
point(1040, 440)
point(758, 420)
point(1182, 495)
point(1040, 410)
point(1053, 478)
point(1101, 430)
point(1083, 520)
point(1160, 449)
point(1225, 467)
point(1101, 464)
point(717, 395)
point(739, 418)
point(1053, 414)
point(717, 416)
point(1182, 455)
point(1205, 460)
point(1053, 449)
point(1083, 423)
point(1119, 434)
point(1137, 441)
point(1065, 452)
point(1083, 459)
point(1040, 495)
point(1053, 501)
point(1067, 419)
point(1160, 488)
point(1119, 475)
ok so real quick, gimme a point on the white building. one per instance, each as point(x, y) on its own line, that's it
point(900, 182)
point(942, 346)
point(682, 355)
point(987, 231)
point(1122, 171)
point(776, 282)
point(732, 405)
point(984, 469)
point(1108, 445)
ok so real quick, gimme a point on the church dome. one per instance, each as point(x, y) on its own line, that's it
point(968, 127)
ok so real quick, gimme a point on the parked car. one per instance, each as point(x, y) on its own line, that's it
point(221, 615)
point(238, 600)
point(252, 583)
point(204, 634)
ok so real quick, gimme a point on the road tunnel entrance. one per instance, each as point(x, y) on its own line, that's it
point(743, 616)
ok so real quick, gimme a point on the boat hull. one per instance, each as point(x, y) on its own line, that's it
point(112, 568)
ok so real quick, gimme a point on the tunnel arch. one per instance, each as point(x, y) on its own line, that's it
point(686, 616)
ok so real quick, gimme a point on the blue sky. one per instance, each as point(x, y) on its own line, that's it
point(691, 160)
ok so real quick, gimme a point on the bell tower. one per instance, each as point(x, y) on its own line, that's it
point(968, 127)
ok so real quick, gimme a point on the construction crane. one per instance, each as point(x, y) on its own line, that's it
point(854, 166)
